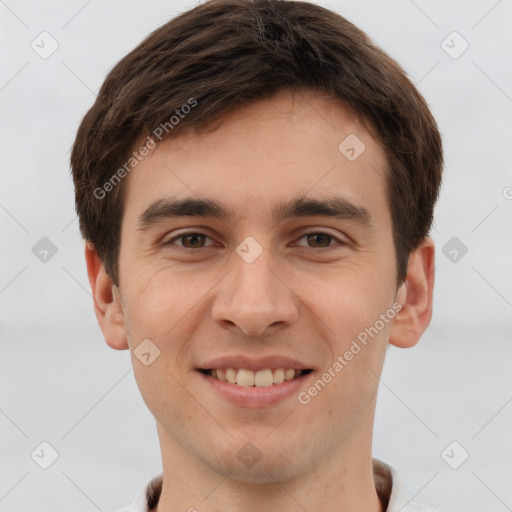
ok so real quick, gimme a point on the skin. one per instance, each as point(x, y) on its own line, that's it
point(199, 299)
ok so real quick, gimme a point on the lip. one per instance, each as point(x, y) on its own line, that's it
point(254, 363)
point(255, 397)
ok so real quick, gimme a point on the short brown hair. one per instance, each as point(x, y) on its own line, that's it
point(225, 53)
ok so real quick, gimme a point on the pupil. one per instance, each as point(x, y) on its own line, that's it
point(315, 236)
point(194, 238)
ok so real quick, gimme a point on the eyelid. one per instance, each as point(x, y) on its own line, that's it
point(310, 231)
point(342, 240)
point(181, 234)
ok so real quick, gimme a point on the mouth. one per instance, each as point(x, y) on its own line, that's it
point(245, 377)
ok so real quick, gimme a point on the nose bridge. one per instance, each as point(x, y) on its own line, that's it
point(254, 281)
point(251, 296)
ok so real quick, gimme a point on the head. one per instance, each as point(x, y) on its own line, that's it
point(282, 122)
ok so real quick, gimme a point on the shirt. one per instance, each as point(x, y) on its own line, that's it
point(390, 489)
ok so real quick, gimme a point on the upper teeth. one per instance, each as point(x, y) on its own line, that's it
point(260, 378)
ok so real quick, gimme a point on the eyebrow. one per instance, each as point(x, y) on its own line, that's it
point(337, 207)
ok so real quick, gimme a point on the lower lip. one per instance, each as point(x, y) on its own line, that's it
point(252, 396)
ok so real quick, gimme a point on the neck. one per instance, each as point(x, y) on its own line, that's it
point(343, 480)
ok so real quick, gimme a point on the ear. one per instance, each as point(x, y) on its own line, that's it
point(107, 301)
point(415, 295)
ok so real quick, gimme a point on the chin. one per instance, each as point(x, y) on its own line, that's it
point(251, 465)
point(264, 473)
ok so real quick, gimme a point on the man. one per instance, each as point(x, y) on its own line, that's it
point(255, 183)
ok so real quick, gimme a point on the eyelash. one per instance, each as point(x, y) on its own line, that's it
point(187, 233)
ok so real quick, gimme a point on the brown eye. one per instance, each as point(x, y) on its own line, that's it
point(190, 240)
point(319, 239)
point(194, 239)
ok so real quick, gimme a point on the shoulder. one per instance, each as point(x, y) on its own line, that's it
point(392, 488)
point(147, 496)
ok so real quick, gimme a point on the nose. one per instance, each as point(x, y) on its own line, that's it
point(255, 297)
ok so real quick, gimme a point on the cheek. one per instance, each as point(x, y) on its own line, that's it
point(346, 303)
point(160, 299)
point(165, 307)
point(349, 312)
point(347, 386)
point(163, 390)
point(157, 303)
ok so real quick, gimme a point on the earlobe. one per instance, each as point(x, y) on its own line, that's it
point(415, 295)
point(107, 302)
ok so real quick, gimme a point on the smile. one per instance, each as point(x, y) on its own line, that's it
point(260, 378)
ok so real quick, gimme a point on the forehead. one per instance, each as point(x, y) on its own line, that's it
point(265, 153)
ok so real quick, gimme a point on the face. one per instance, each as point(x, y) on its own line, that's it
point(263, 245)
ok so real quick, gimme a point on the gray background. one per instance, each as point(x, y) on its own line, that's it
point(62, 384)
